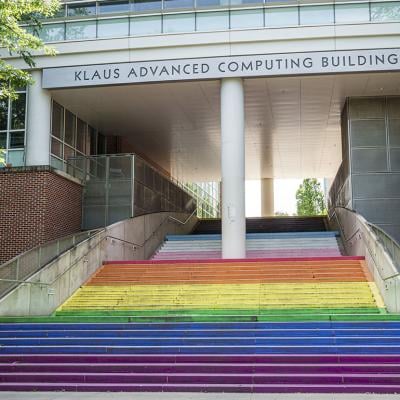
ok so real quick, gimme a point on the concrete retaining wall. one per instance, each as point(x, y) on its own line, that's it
point(359, 240)
point(133, 239)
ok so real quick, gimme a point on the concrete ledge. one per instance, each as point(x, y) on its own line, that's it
point(35, 168)
point(133, 239)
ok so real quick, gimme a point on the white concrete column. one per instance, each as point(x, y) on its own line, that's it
point(267, 197)
point(233, 169)
point(38, 123)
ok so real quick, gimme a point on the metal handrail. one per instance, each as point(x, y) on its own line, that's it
point(186, 220)
point(61, 274)
point(97, 244)
point(38, 257)
point(373, 226)
point(338, 221)
point(89, 232)
point(378, 228)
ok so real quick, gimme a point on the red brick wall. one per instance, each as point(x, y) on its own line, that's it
point(36, 206)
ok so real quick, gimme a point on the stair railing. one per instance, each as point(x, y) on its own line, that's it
point(207, 205)
point(21, 267)
point(98, 232)
point(50, 286)
point(362, 238)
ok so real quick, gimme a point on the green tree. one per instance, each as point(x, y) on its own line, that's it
point(281, 214)
point(310, 198)
point(2, 157)
point(18, 41)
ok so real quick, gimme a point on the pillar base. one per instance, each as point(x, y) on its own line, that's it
point(267, 197)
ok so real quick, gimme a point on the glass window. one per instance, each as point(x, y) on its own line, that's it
point(3, 140)
point(212, 21)
point(311, 15)
point(113, 7)
point(146, 25)
point(80, 30)
point(81, 136)
point(56, 147)
point(30, 30)
point(52, 32)
point(70, 128)
point(240, 2)
point(57, 121)
point(16, 158)
point(146, 5)
point(18, 112)
point(168, 4)
point(113, 27)
point(247, 18)
point(93, 141)
point(81, 9)
point(209, 3)
point(3, 114)
point(178, 23)
point(283, 16)
point(60, 13)
point(87, 141)
point(389, 11)
point(68, 152)
point(351, 12)
point(17, 140)
point(101, 144)
point(57, 164)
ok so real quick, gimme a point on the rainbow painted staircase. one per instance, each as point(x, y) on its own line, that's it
point(258, 245)
point(287, 324)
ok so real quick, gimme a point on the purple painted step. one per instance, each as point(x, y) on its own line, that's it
point(208, 373)
point(160, 368)
point(202, 358)
point(211, 388)
point(205, 378)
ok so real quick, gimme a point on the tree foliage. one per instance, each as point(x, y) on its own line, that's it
point(310, 198)
point(17, 41)
point(2, 157)
point(281, 214)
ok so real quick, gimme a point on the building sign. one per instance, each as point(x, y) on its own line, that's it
point(330, 62)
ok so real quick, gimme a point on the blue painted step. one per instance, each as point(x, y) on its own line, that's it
point(203, 341)
point(201, 325)
point(168, 333)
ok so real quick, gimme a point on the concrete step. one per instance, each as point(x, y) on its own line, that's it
point(204, 388)
point(203, 378)
point(210, 368)
point(157, 333)
point(356, 348)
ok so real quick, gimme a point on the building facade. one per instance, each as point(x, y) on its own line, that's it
point(219, 90)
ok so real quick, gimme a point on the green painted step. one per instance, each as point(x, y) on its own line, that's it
point(221, 312)
point(205, 318)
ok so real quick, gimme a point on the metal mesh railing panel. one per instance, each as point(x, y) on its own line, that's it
point(30, 262)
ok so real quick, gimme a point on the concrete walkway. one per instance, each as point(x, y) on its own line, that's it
point(186, 396)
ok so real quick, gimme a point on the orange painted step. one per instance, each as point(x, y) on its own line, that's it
point(330, 271)
point(246, 263)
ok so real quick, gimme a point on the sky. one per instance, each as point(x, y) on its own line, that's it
point(284, 196)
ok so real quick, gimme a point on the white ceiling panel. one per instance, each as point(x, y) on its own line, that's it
point(292, 123)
